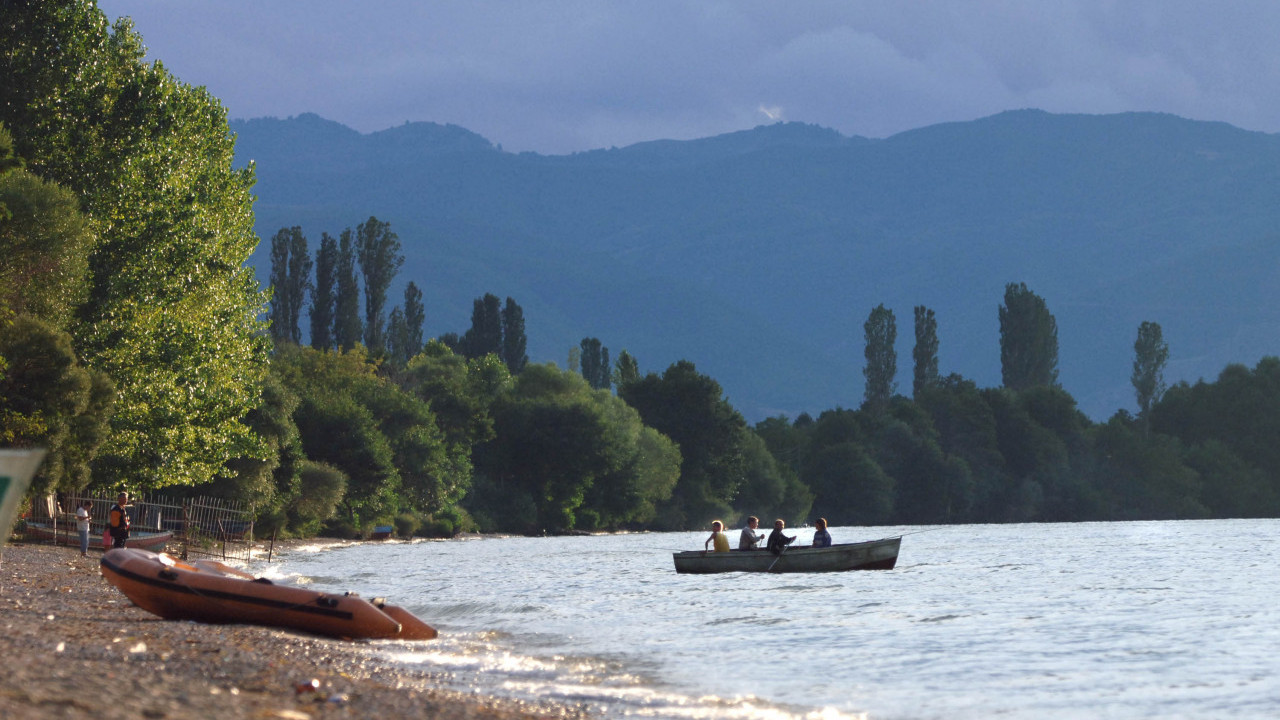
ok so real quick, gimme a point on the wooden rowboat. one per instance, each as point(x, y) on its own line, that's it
point(67, 534)
point(209, 591)
point(872, 555)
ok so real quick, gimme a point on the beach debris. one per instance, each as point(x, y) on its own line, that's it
point(312, 685)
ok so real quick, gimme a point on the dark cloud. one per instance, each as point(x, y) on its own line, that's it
point(572, 75)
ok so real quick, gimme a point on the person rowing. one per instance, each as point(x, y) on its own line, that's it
point(778, 541)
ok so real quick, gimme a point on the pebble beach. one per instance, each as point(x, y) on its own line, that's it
point(75, 647)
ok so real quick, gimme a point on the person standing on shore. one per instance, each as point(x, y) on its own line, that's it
point(118, 521)
point(750, 539)
point(82, 526)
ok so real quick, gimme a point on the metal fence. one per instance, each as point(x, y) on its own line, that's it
point(201, 526)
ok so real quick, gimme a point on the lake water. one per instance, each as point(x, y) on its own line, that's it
point(1089, 620)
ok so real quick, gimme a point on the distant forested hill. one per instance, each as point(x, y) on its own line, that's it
point(759, 254)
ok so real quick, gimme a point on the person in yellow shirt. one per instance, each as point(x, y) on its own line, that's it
point(718, 537)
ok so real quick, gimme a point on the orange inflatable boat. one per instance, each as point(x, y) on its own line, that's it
point(210, 591)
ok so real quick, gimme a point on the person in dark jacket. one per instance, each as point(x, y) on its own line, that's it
point(778, 541)
point(118, 521)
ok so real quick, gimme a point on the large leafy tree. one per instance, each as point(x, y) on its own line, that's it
point(1028, 340)
point(44, 249)
point(458, 390)
point(324, 293)
point(849, 487)
point(48, 398)
point(882, 359)
point(925, 352)
point(380, 259)
point(172, 311)
point(581, 457)
point(1151, 354)
point(1241, 410)
point(383, 438)
point(690, 408)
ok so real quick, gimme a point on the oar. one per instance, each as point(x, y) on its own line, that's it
point(775, 560)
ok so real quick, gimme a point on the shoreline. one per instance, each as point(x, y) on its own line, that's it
point(76, 647)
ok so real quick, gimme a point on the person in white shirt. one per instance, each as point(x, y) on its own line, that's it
point(82, 525)
point(750, 539)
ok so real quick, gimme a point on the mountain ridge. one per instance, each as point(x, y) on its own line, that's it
point(758, 254)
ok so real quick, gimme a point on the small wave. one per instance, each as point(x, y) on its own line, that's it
point(461, 610)
point(753, 620)
point(596, 685)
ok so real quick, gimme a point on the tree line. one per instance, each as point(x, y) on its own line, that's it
point(136, 345)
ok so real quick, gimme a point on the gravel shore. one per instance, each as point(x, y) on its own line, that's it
point(75, 647)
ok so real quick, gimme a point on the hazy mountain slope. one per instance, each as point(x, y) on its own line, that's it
point(759, 254)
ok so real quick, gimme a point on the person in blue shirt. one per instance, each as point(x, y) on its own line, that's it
point(821, 538)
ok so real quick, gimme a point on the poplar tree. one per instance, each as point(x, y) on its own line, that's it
point(290, 279)
point(346, 320)
point(881, 331)
point(485, 335)
point(626, 370)
point(299, 285)
point(415, 317)
point(514, 341)
point(397, 337)
point(1028, 340)
point(1151, 354)
point(378, 250)
point(925, 353)
point(323, 294)
point(279, 278)
point(595, 363)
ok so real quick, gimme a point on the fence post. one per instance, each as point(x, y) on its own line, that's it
point(186, 517)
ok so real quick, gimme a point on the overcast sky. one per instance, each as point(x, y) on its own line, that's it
point(557, 76)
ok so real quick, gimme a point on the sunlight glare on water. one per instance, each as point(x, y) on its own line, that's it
point(1118, 620)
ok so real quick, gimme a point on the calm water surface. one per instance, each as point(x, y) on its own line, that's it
point(1090, 620)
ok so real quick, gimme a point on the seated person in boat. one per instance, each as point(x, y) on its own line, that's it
point(718, 537)
point(777, 541)
point(750, 539)
point(821, 538)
